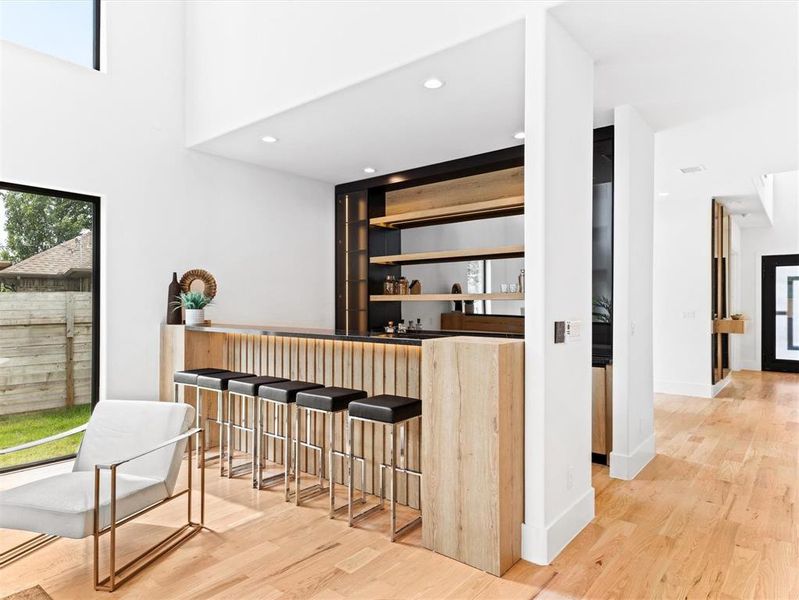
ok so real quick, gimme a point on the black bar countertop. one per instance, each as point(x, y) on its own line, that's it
point(412, 338)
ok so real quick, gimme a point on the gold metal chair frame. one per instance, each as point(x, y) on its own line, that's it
point(118, 576)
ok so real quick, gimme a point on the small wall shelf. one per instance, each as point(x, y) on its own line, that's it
point(442, 256)
point(442, 297)
point(729, 326)
point(499, 207)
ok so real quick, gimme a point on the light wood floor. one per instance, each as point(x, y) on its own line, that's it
point(713, 515)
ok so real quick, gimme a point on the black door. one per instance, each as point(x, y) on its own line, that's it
point(780, 313)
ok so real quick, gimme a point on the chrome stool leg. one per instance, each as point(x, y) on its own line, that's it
point(326, 453)
point(283, 433)
point(397, 442)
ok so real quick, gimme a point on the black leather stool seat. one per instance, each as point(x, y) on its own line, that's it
point(248, 386)
point(386, 408)
point(219, 381)
point(189, 376)
point(285, 391)
point(330, 399)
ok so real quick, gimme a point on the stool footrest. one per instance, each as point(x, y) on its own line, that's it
point(274, 479)
point(401, 470)
point(356, 517)
point(407, 527)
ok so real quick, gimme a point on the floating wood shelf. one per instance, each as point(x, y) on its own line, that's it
point(728, 325)
point(499, 207)
point(419, 258)
point(442, 297)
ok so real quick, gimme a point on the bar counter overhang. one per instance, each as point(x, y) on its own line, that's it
point(469, 446)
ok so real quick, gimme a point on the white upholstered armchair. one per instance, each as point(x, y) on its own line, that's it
point(127, 464)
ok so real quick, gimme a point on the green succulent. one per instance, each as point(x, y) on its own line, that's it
point(191, 300)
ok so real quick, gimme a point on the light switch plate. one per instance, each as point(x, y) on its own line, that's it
point(574, 331)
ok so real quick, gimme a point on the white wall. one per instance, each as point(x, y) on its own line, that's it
point(633, 394)
point(266, 236)
point(781, 238)
point(736, 146)
point(682, 317)
point(559, 498)
point(299, 51)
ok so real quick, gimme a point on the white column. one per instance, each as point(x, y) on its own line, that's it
point(633, 210)
point(559, 498)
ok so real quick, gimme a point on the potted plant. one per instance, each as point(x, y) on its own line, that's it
point(193, 303)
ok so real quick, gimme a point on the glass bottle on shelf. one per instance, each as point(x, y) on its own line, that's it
point(389, 286)
point(418, 324)
point(402, 284)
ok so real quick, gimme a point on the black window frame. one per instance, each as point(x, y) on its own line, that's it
point(97, 33)
point(95, 385)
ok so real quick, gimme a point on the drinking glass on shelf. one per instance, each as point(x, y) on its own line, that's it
point(514, 288)
point(503, 287)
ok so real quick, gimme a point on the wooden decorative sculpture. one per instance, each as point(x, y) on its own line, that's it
point(189, 277)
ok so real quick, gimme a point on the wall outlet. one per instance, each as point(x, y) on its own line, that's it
point(689, 314)
point(570, 478)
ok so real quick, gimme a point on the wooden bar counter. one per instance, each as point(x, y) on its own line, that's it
point(472, 406)
point(472, 463)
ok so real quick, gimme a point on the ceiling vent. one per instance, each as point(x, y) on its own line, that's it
point(694, 169)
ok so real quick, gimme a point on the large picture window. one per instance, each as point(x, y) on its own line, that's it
point(66, 29)
point(49, 310)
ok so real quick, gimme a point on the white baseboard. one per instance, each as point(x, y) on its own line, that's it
point(679, 388)
point(540, 545)
point(719, 385)
point(627, 466)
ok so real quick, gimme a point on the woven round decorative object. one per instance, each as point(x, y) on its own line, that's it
point(193, 275)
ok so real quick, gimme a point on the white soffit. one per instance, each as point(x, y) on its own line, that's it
point(392, 122)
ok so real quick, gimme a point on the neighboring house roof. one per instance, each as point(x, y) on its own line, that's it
point(67, 258)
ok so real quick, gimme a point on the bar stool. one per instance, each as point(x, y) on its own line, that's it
point(246, 388)
point(396, 411)
point(281, 395)
point(218, 384)
point(327, 401)
point(188, 378)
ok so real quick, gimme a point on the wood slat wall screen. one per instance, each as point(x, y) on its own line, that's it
point(374, 368)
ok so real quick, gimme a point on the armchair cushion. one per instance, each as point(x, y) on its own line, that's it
point(119, 429)
point(64, 504)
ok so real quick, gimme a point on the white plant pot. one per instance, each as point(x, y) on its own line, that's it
point(195, 316)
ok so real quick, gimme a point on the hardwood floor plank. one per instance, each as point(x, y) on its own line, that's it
point(712, 516)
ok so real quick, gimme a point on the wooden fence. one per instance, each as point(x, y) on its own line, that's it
point(45, 350)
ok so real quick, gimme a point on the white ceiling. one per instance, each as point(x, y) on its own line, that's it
point(392, 122)
point(717, 80)
point(680, 61)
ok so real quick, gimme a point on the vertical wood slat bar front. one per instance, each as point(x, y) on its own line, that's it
point(373, 367)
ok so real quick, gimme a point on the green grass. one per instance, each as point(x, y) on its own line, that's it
point(26, 427)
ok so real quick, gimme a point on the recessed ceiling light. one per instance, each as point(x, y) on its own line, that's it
point(433, 83)
point(269, 139)
point(519, 135)
point(368, 169)
point(694, 169)
point(663, 194)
